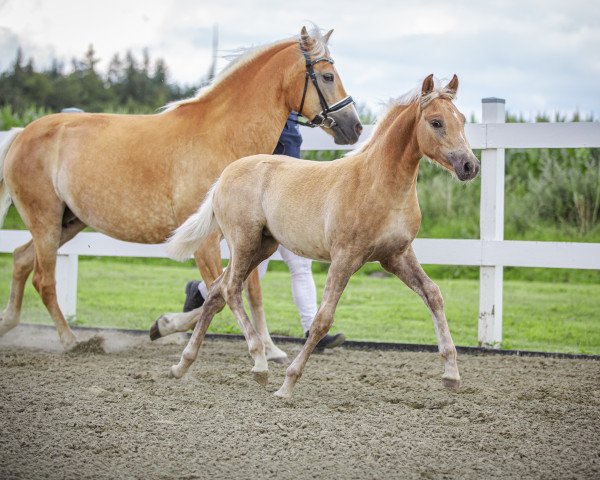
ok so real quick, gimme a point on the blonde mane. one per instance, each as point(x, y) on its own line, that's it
point(440, 90)
point(244, 56)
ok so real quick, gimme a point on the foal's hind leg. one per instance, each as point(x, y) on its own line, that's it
point(208, 260)
point(248, 250)
point(213, 305)
point(23, 262)
point(406, 267)
point(254, 296)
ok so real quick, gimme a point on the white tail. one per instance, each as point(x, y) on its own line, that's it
point(5, 200)
point(188, 237)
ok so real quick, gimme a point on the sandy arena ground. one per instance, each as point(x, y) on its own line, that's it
point(355, 414)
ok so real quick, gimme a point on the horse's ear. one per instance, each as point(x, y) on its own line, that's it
point(306, 40)
point(327, 35)
point(452, 87)
point(427, 85)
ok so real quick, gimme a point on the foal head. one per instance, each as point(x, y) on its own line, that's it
point(441, 130)
point(319, 94)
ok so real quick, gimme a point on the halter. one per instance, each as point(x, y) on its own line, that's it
point(321, 119)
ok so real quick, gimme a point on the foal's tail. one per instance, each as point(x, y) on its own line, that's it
point(5, 200)
point(188, 237)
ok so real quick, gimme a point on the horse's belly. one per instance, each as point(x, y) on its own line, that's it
point(142, 220)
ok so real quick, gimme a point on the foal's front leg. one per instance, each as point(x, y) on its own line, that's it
point(339, 273)
point(406, 267)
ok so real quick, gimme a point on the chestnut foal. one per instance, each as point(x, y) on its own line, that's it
point(348, 212)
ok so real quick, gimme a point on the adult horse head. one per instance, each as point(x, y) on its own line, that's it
point(327, 104)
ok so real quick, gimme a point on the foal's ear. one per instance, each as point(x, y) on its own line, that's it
point(452, 87)
point(306, 40)
point(427, 85)
point(327, 35)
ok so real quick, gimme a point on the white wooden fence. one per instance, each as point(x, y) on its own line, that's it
point(491, 253)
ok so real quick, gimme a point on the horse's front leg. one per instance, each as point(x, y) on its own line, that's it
point(406, 267)
point(340, 271)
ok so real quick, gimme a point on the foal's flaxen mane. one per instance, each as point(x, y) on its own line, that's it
point(440, 90)
point(243, 56)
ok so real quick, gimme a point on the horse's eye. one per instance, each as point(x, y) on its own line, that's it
point(436, 124)
point(328, 77)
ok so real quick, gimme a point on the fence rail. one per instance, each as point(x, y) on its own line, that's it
point(491, 253)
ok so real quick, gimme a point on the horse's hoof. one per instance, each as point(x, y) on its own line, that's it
point(262, 378)
point(451, 384)
point(154, 331)
point(174, 372)
point(283, 395)
point(281, 360)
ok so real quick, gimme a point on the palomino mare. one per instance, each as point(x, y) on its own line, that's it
point(361, 208)
point(136, 178)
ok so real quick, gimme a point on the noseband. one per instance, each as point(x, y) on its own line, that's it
point(321, 119)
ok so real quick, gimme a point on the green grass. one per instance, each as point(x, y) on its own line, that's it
point(537, 315)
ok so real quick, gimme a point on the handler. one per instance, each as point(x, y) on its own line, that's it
point(304, 291)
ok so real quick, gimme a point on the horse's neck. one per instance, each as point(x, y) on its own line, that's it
point(393, 158)
point(247, 108)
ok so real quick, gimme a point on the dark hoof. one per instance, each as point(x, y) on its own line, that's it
point(262, 378)
point(451, 384)
point(154, 331)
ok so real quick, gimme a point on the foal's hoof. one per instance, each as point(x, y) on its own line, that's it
point(262, 378)
point(283, 394)
point(175, 372)
point(281, 360)
point(451, 384)
point(154, 331)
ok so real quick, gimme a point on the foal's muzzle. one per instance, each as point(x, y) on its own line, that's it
point(465, 164)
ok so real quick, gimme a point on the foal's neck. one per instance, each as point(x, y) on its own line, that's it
point(394, 156)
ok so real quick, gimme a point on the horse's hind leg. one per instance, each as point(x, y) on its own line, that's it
point(406, 267)
point(254, 296)
point(23, 263)
point(23, 259)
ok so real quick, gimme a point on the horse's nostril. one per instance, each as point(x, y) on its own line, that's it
point(468, 167)
point(358, 128)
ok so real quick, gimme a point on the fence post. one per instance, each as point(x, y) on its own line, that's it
point(491, 228)
point(66, 284)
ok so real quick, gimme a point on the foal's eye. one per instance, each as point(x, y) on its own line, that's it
point(436, 124)
point(328, 77)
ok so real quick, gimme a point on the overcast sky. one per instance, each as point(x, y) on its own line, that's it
point(538, 55)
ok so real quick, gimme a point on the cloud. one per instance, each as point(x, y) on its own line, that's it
point(538, 55)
